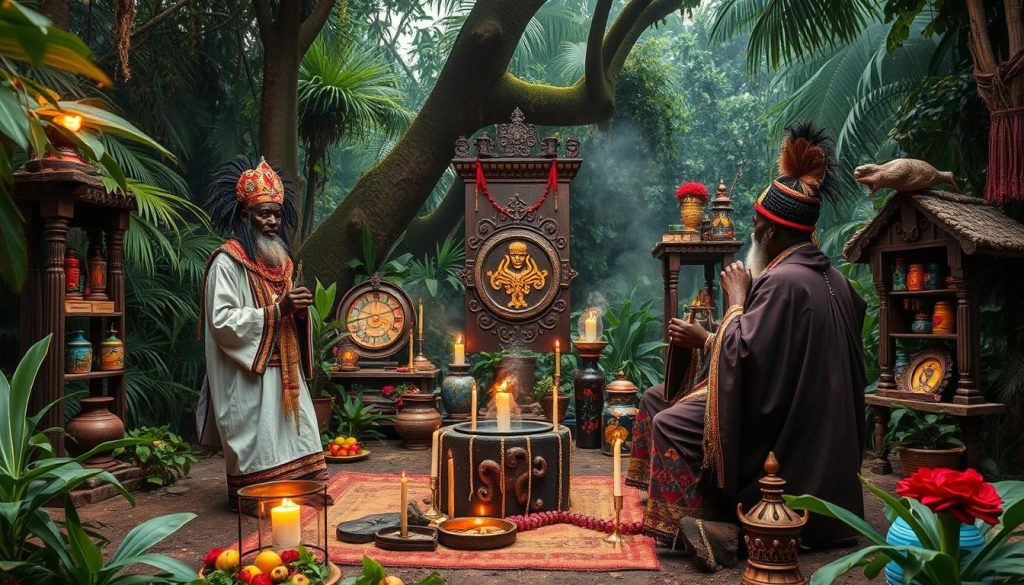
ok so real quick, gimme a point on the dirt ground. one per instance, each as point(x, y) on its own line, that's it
point(215, 524)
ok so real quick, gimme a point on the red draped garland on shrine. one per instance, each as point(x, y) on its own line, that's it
point(551, 187)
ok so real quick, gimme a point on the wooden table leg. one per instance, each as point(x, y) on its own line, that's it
point(881, 464)
point(972, 440)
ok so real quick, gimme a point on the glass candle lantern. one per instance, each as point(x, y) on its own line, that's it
point(283, 515)
point(590, 325)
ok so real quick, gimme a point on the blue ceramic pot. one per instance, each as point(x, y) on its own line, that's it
point(78, 357)
point(457, 389)
point(900, 534)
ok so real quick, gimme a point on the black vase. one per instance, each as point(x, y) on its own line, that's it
point(589, 389)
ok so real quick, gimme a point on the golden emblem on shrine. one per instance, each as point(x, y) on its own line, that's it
point(518, 274)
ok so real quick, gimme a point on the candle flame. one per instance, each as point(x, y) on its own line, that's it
point(73, 123)
point(286, 503)
point(558, 345)
point(482, 511)
point(478, 521)
point(458, 339)
point(403, 475)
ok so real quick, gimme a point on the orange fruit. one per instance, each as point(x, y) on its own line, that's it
point(350, 441)
point(267, 560)
point(227, 560)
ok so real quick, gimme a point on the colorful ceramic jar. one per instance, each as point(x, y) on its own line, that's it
point(78, 357)
point(691, 209)
point(943, 318)
point(921, 323)
point(899, 274)
point(588, 386)
point(916, 277)
point(933, 276)
point(97, 275)
point(457, 390)
point(619, 415)
point(72, 275)
point(417, 420)
point(93, 425)
point(901, 363)
point(112, 352)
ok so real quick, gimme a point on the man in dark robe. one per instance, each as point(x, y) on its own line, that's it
point(785, 375)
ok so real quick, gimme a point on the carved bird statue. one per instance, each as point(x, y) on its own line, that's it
point(902, 174)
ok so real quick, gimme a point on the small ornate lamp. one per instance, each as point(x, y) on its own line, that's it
point(771, 532)
point(288, 514)
point(348, 358)
point(721, 221)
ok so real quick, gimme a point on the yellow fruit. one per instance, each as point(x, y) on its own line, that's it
point(279, 574)
point(300, 579)
point(267, 561)
point(339, 440)
point(253, 570)
point(350, 441)
point(227, 560)
point(391, 580)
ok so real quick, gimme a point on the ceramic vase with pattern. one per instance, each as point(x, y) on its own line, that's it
point(691, 209)
point(78, 357)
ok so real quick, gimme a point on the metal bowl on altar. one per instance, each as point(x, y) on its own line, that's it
point(516, 428)
point(476, 533)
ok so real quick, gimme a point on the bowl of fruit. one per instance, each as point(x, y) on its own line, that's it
point(222, 566)
point(345, 450)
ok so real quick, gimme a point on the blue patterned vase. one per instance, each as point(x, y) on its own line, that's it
point(900, 534)
point(619, 415)
point(457, 389)
point(933, 277)
point(78, 357)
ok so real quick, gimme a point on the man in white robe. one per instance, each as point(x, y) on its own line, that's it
point(255, 403)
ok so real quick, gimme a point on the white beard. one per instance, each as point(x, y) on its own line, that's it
point(271, 250)
point(756, 257)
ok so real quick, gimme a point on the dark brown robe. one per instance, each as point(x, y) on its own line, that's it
point(786, 375)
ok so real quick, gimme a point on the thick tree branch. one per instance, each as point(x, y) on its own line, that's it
point(440, 223)
point(981, 47)
point(264, 19)
point(655, 11)
point(310, 27)
point(598, 88)
point(622, 25)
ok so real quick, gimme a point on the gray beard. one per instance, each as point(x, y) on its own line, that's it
point(757, 259)
point(271, 250)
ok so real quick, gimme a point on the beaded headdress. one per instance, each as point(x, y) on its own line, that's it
point(808, 173)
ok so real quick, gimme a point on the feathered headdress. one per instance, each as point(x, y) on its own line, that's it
point(240, 184)
point(808, 173)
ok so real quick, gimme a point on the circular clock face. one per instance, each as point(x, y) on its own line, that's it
point(378, 318)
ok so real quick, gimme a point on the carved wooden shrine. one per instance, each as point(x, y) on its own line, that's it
point(518, 269)
point(957, 241)
point(51, 201)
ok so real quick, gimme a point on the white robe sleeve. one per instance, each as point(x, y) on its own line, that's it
point(244, 334)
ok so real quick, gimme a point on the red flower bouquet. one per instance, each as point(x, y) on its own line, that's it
point(692, 189)
point(963, 494)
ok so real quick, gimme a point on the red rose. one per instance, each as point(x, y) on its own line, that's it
point(261, 579)
point(963, 494)
point(289, 556)
point(692, 189)
point(211, 557)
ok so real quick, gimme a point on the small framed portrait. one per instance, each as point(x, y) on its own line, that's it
point(928, 374)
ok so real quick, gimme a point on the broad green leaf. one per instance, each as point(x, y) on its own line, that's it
point(928, 538)
point(819, 506)
point(147, 534)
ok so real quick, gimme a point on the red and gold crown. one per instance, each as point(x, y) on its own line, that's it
point(259, 185)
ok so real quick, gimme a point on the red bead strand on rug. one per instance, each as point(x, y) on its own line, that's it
point(540, 519)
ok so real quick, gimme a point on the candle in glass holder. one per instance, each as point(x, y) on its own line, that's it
point(451, 485)
point(590, 326)
point(472, 408)
point(460, 351)
point(284, 524)
point(503, 404)
point(434, 455)
point(404, 524)
point(617, 468)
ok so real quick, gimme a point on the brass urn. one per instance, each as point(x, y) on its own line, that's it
point(771, 532)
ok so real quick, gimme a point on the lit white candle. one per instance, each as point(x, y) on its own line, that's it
point(558, 359)
point(590, 326)
point(473, 408)
point(405, 504)
point(434, 455)
point(554, 384)
point(411, 349)
point(503, 404)
point(460, 351)
point(284, 524)
point(617, 468)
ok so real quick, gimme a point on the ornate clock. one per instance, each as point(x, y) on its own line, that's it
point(378, 316)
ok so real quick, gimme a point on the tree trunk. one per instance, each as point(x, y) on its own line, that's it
point(314, 180)
point(474, 89)
point(279, 110)
point(58, 11)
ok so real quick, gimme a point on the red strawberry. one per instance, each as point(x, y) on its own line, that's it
point(211, 557)
point(244, 575)
point(289, 556)
point(261, 579)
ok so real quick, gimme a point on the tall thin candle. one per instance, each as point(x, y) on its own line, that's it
point(434, 454)
point(451, 485)
point(473, 408)
point(411, 350)
point(405, 506)
point(419, 321)
point(617, 468)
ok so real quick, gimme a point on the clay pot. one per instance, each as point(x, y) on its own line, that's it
point(112, 353)
point(916, 277)
point(691, 209)
point(563, 406)
point(943, 319)
point(913, 459)
point(323, 407)
point(417, 420)
point(95, 424)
